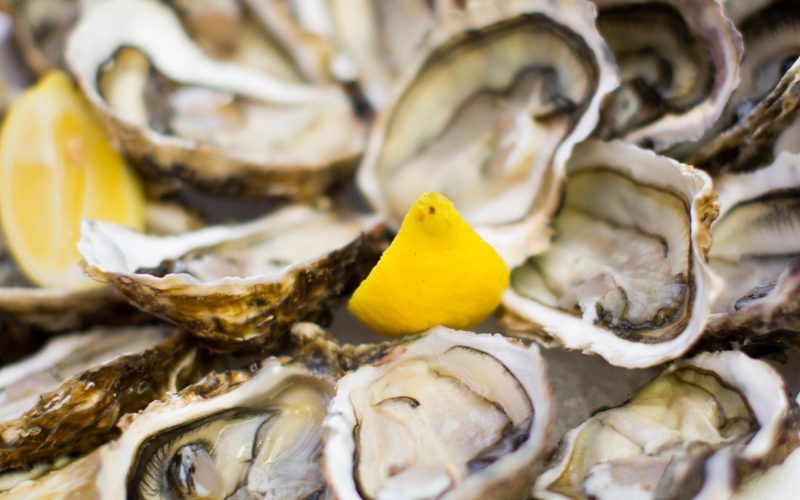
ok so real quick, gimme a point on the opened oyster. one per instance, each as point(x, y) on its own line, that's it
point(626, 275)
point(275, 36)
point(228, 436)
point(41, 28)
point(219, 125)
point(377, 39)
point(756, 251)
point(761, 118)
point(494, 142)
point(690, 433)
point(679, 62)
point(68, 397)
point(239, 284)
point(449, 415)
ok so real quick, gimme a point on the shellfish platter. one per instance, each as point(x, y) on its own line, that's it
point(400, 249)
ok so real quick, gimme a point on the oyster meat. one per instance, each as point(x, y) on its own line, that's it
point(494, 142)
point(692, 432)
point(239, 284)
point(67, 398)
point(626, 275)
point(449, 415)
point(679, 61)
point(229, 436)
point(756, 251)
point(219, 125)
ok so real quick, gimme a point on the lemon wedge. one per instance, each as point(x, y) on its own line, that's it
point(57, 167)
point(437, 271)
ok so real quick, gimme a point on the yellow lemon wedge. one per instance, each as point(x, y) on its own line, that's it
point(437, 271)
point(57, 167)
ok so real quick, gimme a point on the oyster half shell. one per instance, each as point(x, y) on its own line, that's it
point(626, 275)
point(494, 142)
point(218, 125)
point(239, 284)
point(67, 398)
point(230, 436)
point(761, 118)
point(692, 432)
point(756, 251)
point(679, 61)
point(449, 415)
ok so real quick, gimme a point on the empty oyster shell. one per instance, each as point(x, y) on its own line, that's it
point(679, 61)
point(229, 436)
point(692, 432)
point(626, 275)
point(218, 125)
point(494, 142)
point(67, 398)
point(756, 251)
point(239, 284)
point(761, 118)
point(449, 415)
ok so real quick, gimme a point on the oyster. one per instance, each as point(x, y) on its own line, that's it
point(41, 28)
point(74, 481)
point(68, 397)
point(626, 275)
point(494, 142)
point(377, 39)
point(449, 415)
point(218, 125)
point(756, 251)
point(239, 284)
point(229, 436)
point(761, 118)
point(262, 34)
point(691, 432)
point(679, 61)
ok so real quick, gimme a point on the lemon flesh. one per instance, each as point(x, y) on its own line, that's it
point(57, 167)
point(437, 271)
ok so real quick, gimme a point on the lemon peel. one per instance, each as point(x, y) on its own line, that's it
point(57, 167)
point(437, 271)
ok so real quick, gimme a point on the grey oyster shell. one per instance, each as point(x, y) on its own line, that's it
point(679, 61)
point(217, 125)
point(692, 432)
point(450, 414)
point(511, 129)
point(625, 275)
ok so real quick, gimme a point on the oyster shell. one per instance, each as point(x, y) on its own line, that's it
point(262, 34)
point(449, 415)
point(626, 275)
point(756, 251)
point(67, 398)
point(41, 28)
point(494, 142)
point(691, 432)
point(376, 39)
point(218, 125)
point(28, 313)
point(761, 118)
point(239, 284)
point(679, 61)
point(229, 436)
